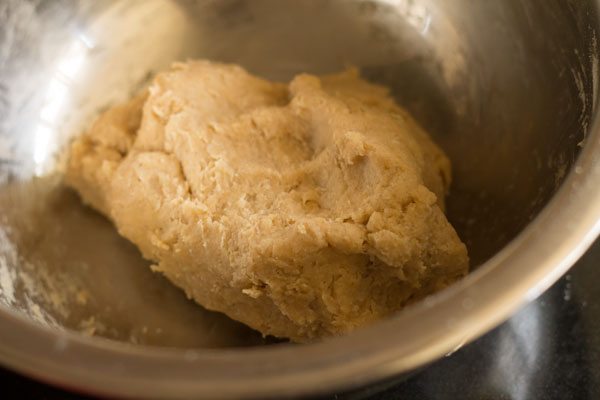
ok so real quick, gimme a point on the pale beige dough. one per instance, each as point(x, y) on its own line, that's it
point(303, 210)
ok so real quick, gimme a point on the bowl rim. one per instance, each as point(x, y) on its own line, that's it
point(440, 324)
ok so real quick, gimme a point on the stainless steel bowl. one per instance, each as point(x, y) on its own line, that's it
point(508, 88)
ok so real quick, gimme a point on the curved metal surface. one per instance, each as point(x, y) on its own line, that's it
point(507, 88)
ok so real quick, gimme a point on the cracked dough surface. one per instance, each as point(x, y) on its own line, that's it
point(304, 210)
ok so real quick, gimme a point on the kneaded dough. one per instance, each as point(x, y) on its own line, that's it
point(303, 210)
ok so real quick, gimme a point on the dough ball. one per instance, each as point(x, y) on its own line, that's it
point(304, 210)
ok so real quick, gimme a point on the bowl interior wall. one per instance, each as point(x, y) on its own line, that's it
point(506, 88)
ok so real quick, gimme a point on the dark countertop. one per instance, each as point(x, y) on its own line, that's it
point(548, 350)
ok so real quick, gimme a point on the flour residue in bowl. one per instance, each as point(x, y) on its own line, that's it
point(64, 266)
